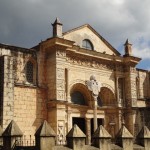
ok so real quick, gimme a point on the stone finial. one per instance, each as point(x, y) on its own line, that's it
point(45, 130)
point(124, 133)
point(144, 133)
point(101, 138)
point(124, 139)
point(57, 28)
point(12, 130)
point(45, 137)
point(143, 138)
point(75, 132)
point(76, 138)
point(128, 48)
point(57, 21)
point(101, 133)
point(11, 135)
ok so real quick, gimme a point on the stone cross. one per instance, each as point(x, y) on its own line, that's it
point(94, 86)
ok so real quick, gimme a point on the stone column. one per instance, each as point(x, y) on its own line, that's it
point(68, 120)
point(95, 113)
point(94, 86)
point(117, 94)
point(67, 72)
point(88, 131)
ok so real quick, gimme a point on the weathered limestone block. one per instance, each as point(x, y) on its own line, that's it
point(45, 137)
point(11, 136)
point(143, 138)
point(102, 139)
point(125, 139)
point(76, 138)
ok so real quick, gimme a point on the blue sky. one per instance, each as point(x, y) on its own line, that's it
point(26, 22)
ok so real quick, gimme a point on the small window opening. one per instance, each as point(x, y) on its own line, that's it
point(87, 44)
point(29, 72)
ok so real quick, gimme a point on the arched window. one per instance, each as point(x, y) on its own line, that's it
point(78, 98)
point(106, 97)
point(87, 44)
point(30, 72)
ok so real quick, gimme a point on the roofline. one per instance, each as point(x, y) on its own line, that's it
point(16, 48)
point(143, 70)
point(105, 41)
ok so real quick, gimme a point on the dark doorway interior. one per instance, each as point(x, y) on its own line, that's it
point(80, 122)
point(99, 122)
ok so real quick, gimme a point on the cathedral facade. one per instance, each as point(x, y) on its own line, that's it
point(49, 82)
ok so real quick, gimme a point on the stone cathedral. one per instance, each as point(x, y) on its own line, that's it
point(48, 82)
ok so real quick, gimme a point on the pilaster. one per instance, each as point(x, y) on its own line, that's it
point(60, 73)
point(8, 92)
point(130, 87)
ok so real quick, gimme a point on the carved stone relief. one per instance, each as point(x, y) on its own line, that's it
point(60, 53)
point(60, 95)
point(90, 63)
point(61, 132)
point(60, 85)
point(60, 73)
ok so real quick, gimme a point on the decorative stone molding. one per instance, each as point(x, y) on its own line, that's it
point(60, 53)
point(75, 82)
point(88, 62)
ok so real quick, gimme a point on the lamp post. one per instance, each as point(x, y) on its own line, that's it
point(94, 86)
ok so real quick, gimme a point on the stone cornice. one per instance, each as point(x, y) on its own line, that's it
point(77, 51)
point(56, 41)
point(16, 48)
point(131, 60)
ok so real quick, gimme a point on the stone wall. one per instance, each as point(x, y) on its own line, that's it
point(29, 108)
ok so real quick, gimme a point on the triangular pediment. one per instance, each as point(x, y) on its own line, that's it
point(87, 32)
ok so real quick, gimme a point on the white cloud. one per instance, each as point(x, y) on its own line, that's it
point(142, 53)
point(27, 22)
